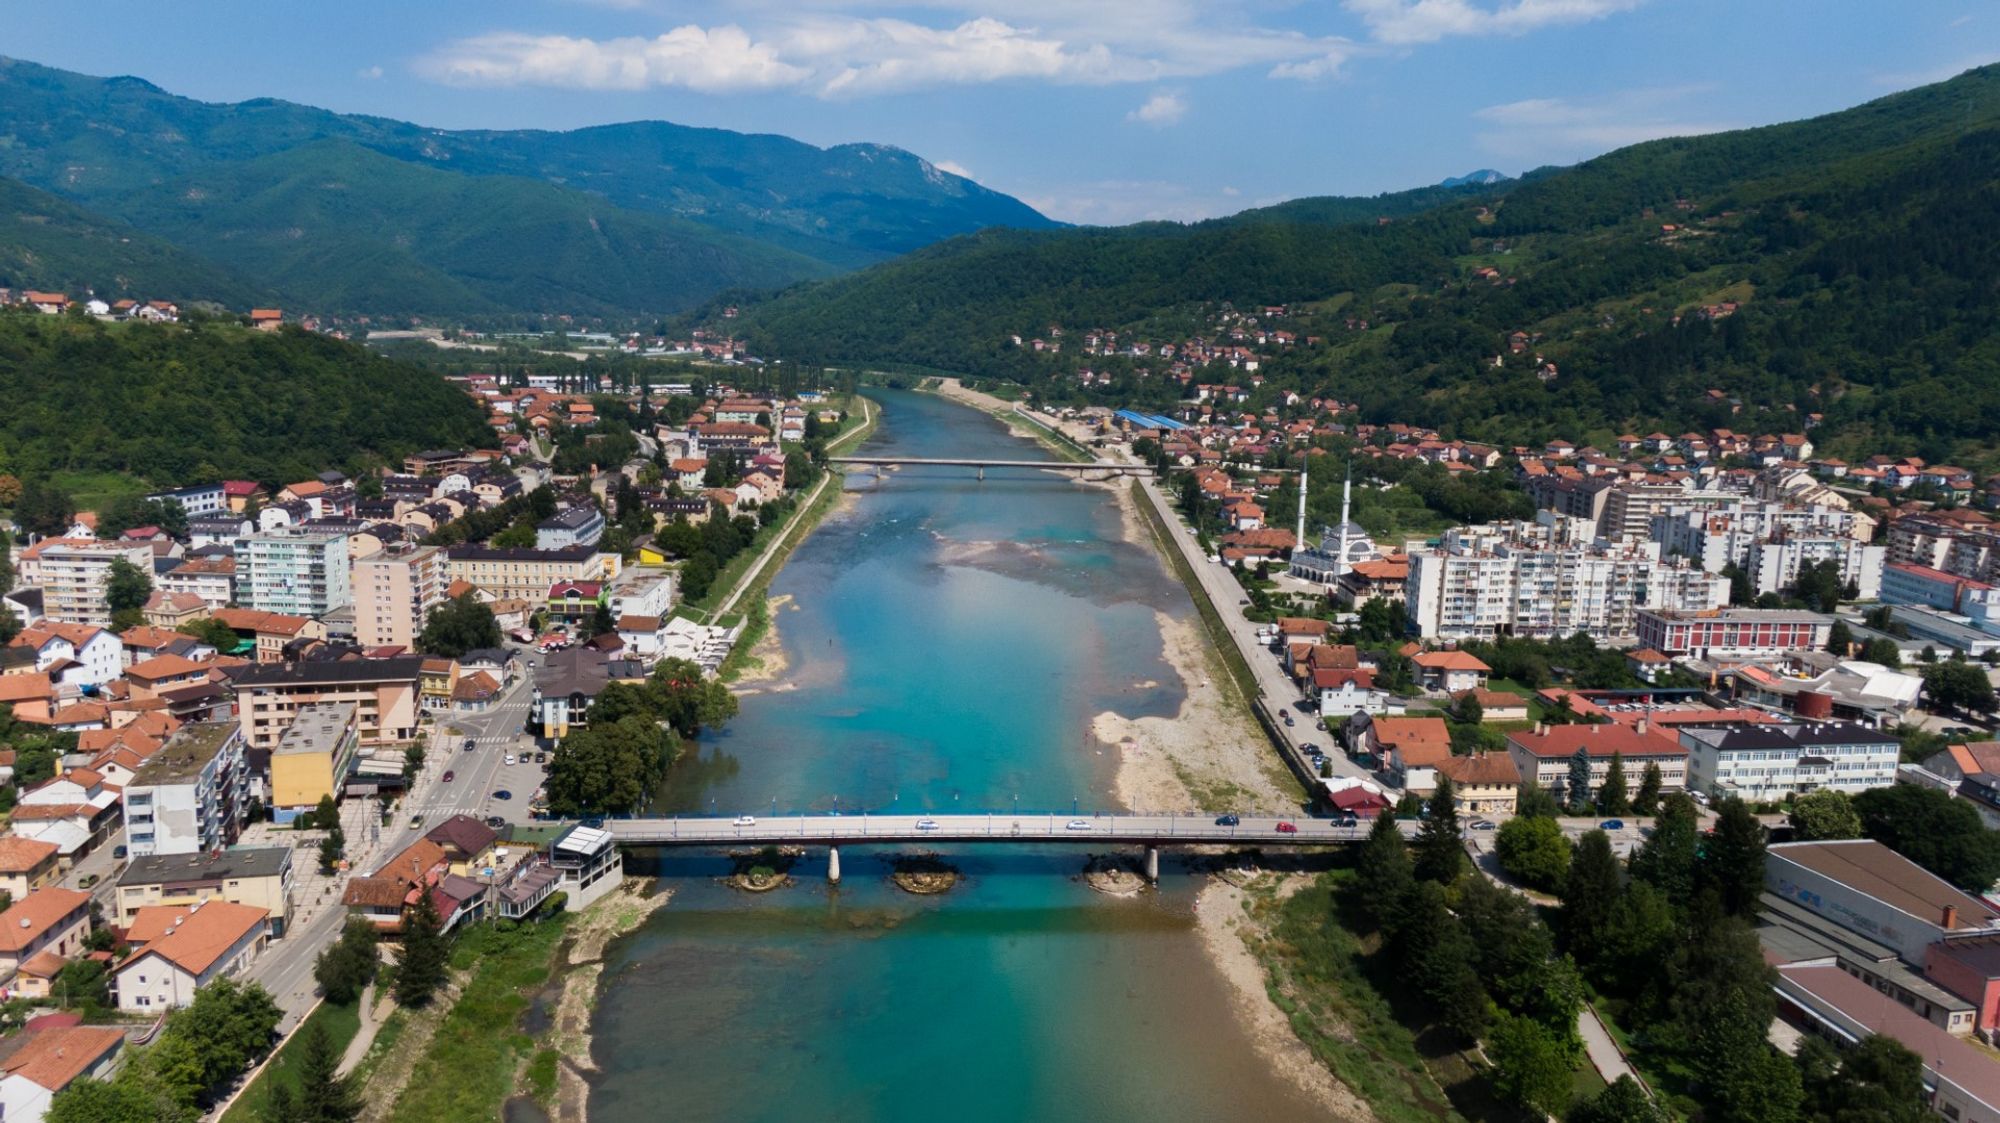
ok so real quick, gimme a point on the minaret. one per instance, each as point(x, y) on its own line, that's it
point(1346, 500)
point(1300, 542)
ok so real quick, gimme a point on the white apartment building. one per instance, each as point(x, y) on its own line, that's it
point(1537, 580)
point(73, 575)
point(394, 591)
point(1765, 763)
point(1714, 536)
point(189, 796)
point(1938, 541)
point(1773, 565)
point(297, 572)
point(641, 591)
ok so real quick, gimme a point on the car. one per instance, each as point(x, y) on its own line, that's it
point(745, 821)
point(1227, 820)
point(503, 793)
point(448, 776)
point(1288, 719)
point(509, 760)
point(1699, 797)
point(1611, 825)
point(1308, 747)
point(416, 820)
point(496, 821)
point(1288, 828)
point(1485, 825)
point(1077, 825)
point(118, 853)
point(927, 824)
point(89, 880)
point(541, 758)
point(1346, 820)
point(470, 744)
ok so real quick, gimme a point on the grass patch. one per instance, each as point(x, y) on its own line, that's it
point(1509, 686)
point(93, 491)
point(1211, 620)
point(341, 1022)
point(469, 1069)
point(541, 1077)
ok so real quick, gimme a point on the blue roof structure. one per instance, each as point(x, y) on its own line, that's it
point(1150, 420)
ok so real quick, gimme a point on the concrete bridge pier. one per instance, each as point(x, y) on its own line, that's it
point(982, 473)
point(833, 865)
point(1153, 864)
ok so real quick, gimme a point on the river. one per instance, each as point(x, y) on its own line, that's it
point(949, 641)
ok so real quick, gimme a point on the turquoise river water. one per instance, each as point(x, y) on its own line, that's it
point(949, 642)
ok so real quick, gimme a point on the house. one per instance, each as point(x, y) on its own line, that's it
point(1496, 705)
point(259, 876)
point(183, 948)
point(469, 845)
point(1409, 748)
point(1450, 672)
point(381, 897)
point(474, 692)
point(171, 610)
point(644, 636)
point(26, 865)
point(1485, 783)
point(50, 919)
point(266, 319)
point(40, 1062)
point(1343, 691)
point(1359, 798)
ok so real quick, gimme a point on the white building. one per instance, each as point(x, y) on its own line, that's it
point(395, 589)
point(1766, 763)
point(572, 526)
point(73, 576)
point(1544, 580)
point(189, 796)
point(1773, 565)
point(94, 655)
point(641, 591)
point(185, 947)
point(298, 572)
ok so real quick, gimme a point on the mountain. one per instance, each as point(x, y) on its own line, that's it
point(723, 208)
point(200, 400)
point(1846, 266)
point(50, 243)
point(1484, 177)
point(1341, 210)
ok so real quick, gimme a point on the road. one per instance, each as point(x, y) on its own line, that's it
point(996, 826)
point(1281, 694)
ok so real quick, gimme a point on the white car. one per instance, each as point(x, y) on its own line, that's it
point(510, 758)
point(1077, 825)
point(746, 821)
point(927, 824)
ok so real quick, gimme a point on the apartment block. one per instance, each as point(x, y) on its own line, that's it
point(73, 575)
point(383, 692)
point(189, 796)
point(257, 876)
point(395, 589)
point(312, 758)
point(293, 571)
point(1766, 763)
point(523, 573)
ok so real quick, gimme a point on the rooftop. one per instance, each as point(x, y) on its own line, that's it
point(53, 1057)
point(1595, 740)
point(177, 869)
point(198, 935)
point(330, 673)
point(1874, 870)
point(185, 754)
point(29, 918)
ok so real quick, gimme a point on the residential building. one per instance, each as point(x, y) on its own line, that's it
point(1773, 564)
point(1449, 672)
point(312, 758)
point(381, 897)
point(580, 525)
point(1339, 691)
point(182, 948)
point(269, 633)
point(78, 654)
point(1484, 783)
point(395, 589)
point(260, 877)
point(641, 591)
point(526, 574)
point(1409, 748)
point(1547, 580)
point(1765, 763)
point(588, 863)
point(382, 691)
point(1733, 634)
point(53, 919)
point(213, 579)
point(1544, 755)
point(73, 576)
point(189, 796)
point(569, 680)
point(293, 571)
point(35, 1064)
point(26, 864)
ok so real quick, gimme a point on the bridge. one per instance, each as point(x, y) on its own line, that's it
point(1082, 466)
point(1043, 828)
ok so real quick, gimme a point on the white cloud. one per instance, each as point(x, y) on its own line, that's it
point(834, 55)
point(369, 72)
point(1162, 109)
point(1426, 21)
point(1557, 130)
point(1118, 202)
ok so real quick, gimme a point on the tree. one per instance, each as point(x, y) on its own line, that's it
point(1530, 1067)
point(90, 1100)
point(687, 699)
point(1440, 854)
point(212, 632)
point(1941, 833)
point(1441, 962)
point(457, 626)
point(227, 1026)
point(520, 536)
point(1469, 710)
point(326, 814)
point(421, 969)
point(348, 964)
point(44, 509)
point(1732, 862)
point(1576, 790)
point(1840, 639)
point(413, 762)
point(281, 1106)
point(126, 590)
point(1534, 852)
point(1819, 585)
point(1955, 685)
point(324, 1096)
point(602, 622)
point(1611, 797)
point(609, 766)
point(1667, 860)
point(1534, 801)
point(1719, 1009)
point(1647, 801)
point(1882, 651)
point(1383, 876)
point(1824, 814)
point(1639, 935)
point(1588, 893)
point(332, 849)
point(1877, 1080)
point(1623, 1102)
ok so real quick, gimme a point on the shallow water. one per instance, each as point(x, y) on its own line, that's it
point(951, 640)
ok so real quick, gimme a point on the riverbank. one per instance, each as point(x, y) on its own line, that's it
point(1021, 426)
point(567, 1097)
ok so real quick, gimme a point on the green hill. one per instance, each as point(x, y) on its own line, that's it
point(722, 208)
point(199, 401)
point(1859, 251)
point(49, 243)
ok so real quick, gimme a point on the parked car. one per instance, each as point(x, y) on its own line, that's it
point(118, 852)
point(496, 821)
point(89, 880)
point(1288, 828)
point(503, 793)
point(541, 758)
point(509, 760)
point(1077, 825)
point(1227, 820)
point(1485, 825)
point(1611, 825)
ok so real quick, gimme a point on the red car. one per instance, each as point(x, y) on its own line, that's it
point(1287, 828)
point(448, 777)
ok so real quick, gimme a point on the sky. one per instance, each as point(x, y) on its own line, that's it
point(1101, 111)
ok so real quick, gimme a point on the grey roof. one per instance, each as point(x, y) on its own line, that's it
point(570, 518)
point(177, 869)
point(1791, 736)
point(185, 754)
point(520, 553)
point(350, 670)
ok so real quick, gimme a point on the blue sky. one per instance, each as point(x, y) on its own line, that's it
point(1104, 111)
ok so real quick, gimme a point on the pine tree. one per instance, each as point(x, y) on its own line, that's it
point(1611, 797)
point(1382, 871)
point(1647, 802)
point(1589, 893)
point(421, 969)
point(324, 1095)
point(1440, 854)
point(1576, 791)
point(1732, 864)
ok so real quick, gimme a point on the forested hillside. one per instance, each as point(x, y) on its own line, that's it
point(1844, 266)
point(200, 401)
point(50, 243)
